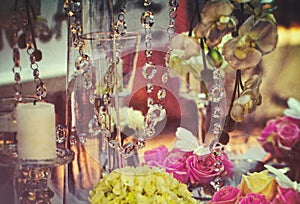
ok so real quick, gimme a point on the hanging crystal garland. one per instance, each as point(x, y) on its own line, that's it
point(17, 72)
point(83, 65)
point(156, 111)
point(35, 55)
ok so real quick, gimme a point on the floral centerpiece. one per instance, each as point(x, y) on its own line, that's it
point(140, 185)
point(192, 164)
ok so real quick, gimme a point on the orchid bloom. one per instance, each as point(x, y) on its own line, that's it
point(249, 99)
point(256, 38)
point(216, 21)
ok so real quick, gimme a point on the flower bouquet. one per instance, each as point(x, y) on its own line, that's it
point(192, 164)
point(140, 185)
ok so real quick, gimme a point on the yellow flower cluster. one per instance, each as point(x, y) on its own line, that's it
point(140, 185)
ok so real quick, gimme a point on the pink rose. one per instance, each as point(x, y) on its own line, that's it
point(254, 198)
point(175, 164)
point(288, 132)
point(203, 169)
point(279, 136)
point(156, 156)
point(286, 195)
point(226, 195)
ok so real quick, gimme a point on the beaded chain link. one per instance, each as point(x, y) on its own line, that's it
point(35, 55)
point(156, 111)
point(17, 74)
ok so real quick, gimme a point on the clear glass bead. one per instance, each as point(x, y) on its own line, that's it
point(79, 44)
point(149, 87)
point(121, 27)
point(173, 3)
point(82, 137)
point(41, 90)
point(219, 167)
point(216, 74)
point(147, 19)
point(73, 139)
point(149, 132)
point(150, 101)
point(94, 127)
point(218, 112)
point(157, 111)
point(217, 128)
point(149, 71)
point(82, 63)
point(140, 143)
point(164, 78)
point(161, 94)
point(147, 2)
point(217, 92)
point(60, 134)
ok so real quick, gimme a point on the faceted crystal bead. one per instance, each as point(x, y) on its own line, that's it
point(127, 150)
point(217, 183)
point(121, 27)
point(164, 78)
point(147, 2)
point(219, 167)
point(41, 90)
point(161, 94)
point(36, 73)
point(147, 19)
point(17, 76)
point(82, 137)
point(173, 3)
point(140, 143)
point(82, 63)
point(216, 92)
point(149, 71)
point(72, 139)
point(217, 128)
point(149, 132)
point(149, 87)
point(150, 101)
point(75, 27)
point(79, 44)
point(60, 134)
point(157, 111)
point(94, 128)
point(218, 112)
point(216, 74)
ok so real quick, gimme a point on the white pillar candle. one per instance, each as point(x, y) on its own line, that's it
point(36, 134)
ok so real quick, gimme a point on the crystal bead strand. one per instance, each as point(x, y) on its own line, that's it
point(17, 72)
point(35, 55)
point(156, 112)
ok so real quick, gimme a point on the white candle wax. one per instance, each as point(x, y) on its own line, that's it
point(36, 134)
